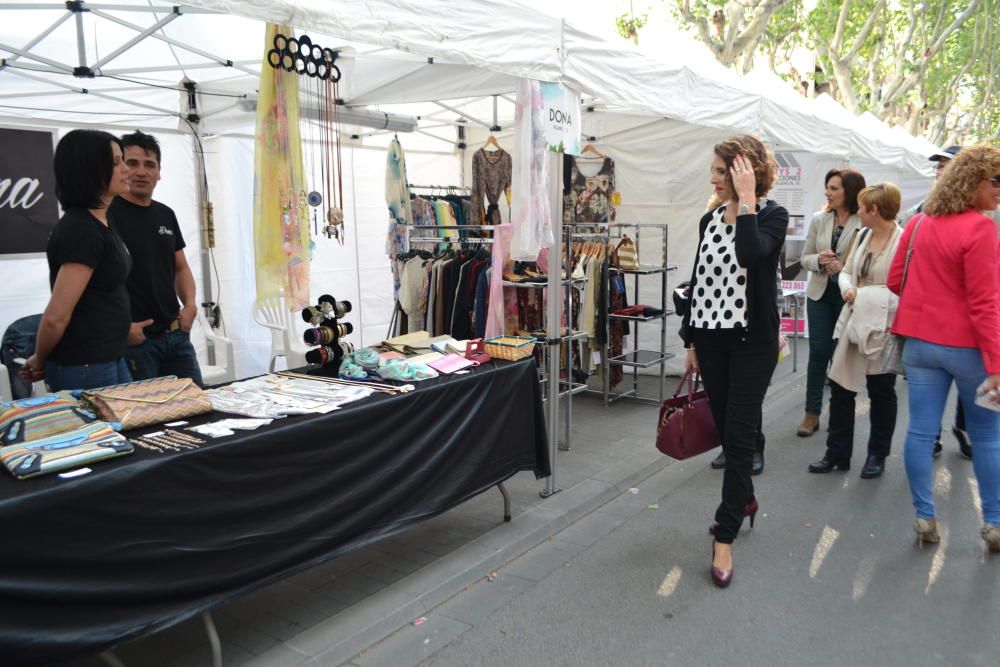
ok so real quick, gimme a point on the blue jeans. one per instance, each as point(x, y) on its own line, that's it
point(169, 353)
point(930, 370)
point(87, 376)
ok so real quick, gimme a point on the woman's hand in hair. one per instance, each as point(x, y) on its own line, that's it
point(744, 180)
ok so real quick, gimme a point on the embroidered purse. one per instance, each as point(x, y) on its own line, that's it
point(149, 402)
point(38, 417)
point(72, 449)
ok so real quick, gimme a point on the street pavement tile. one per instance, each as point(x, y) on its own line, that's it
point(413, 643)
point(591, 528)
point(482, 599)
point(543, 560)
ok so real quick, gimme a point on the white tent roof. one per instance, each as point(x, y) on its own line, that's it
point(399, 51)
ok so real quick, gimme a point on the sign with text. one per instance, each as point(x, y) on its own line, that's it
point(561, 120)
point(28, 207)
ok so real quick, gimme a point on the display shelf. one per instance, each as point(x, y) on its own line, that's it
point(640, 318)
point(640, 358)
point(643, 270)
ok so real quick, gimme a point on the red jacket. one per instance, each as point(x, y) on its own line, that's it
point(952, 294)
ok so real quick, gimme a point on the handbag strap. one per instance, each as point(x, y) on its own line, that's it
point(909, 252)
point(693, 382)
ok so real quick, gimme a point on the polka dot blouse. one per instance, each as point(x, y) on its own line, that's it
point(720, 296)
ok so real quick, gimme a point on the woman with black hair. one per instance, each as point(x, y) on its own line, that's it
point(81, 339)
point(831, 234)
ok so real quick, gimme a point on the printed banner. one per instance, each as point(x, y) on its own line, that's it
point(28, 207)
point(561, 118)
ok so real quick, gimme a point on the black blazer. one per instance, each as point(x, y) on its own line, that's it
point(759, 238)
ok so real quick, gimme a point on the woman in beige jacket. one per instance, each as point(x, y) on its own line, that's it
point(830, 235)
point(860, 332)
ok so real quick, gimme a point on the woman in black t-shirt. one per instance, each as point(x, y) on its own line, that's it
point(81, 339)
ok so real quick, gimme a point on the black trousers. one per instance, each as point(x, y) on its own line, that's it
point(736, 374)
point(882, 393)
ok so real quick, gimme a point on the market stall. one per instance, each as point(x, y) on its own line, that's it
point(148, 540)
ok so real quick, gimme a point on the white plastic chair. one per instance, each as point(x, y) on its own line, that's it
point(286, 340)
point(38, 388)
point(5, 394)
point(224, 353)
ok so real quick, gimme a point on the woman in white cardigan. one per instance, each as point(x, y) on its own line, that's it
point(830, 235)
point(860, 332)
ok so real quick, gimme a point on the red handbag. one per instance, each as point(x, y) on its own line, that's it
point(686, 427)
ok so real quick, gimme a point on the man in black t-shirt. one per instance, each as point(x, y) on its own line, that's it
point(158, 341)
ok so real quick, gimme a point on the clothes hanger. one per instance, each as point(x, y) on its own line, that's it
point(491, 141)
point(590, 148)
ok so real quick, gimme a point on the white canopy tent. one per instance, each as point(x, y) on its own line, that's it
point(658, 118)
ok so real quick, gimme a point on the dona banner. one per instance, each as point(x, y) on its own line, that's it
point(28, 208)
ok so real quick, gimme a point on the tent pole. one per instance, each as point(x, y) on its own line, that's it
point(553, 327)
point(81, 44)
point(205, 210)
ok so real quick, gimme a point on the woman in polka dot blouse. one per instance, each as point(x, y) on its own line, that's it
point(731, 329)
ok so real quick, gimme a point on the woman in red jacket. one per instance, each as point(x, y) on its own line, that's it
point(949, 312)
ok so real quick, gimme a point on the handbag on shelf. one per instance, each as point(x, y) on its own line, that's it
point(149, 402)
point(626, 254)
point(686, 427)
point(892, 351)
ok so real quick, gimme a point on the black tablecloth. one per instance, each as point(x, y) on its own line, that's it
point(147, 541)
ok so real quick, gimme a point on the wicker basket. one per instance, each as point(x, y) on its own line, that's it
point(510, 348)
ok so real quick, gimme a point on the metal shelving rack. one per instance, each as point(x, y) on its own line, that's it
point(637, 358)
point(567, 388)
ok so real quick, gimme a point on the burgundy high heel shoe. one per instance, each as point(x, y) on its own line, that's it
point(749, 511)
point(720, 577)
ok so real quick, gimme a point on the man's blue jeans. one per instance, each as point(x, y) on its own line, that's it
point(86, 376)
point(169, 353)
point(930, 370)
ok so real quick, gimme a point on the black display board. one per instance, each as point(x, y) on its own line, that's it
point(28, 207)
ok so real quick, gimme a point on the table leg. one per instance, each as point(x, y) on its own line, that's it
point(506, 501)
point(111, 659)
point(213, 638)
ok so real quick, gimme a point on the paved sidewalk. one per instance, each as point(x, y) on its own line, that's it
point(330, 614)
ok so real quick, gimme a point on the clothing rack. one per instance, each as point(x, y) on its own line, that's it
point(438, 187)
point(438, 239)
point(441, 239)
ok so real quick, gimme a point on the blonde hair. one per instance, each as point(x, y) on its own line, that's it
point(885, 196)
point(956, 186)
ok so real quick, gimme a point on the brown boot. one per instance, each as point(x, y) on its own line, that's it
point(809, 425)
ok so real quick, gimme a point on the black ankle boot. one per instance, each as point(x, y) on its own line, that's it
point(719, 462)
point(874, 465)
point(826, 465)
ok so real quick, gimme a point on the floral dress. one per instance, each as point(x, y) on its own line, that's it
point(588, 199)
